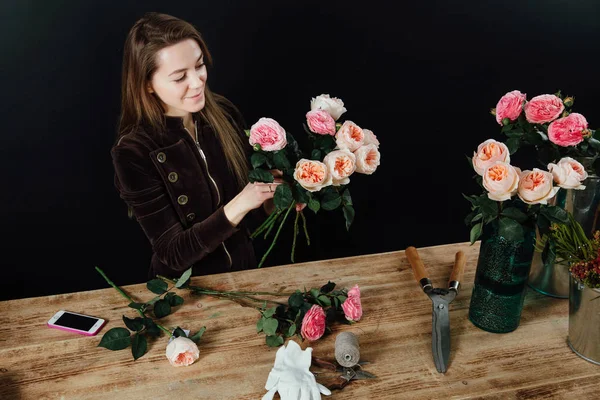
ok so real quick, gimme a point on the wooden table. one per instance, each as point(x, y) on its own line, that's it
point(395, 336)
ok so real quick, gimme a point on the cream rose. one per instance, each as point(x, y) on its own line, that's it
point(312, 175)
point(488, 153)
point(182, 352)
point(568, 173)
point(333, 105)
point(350, 136)
point(367, 159)
point(341, 164)
point(370, 137)
point(501, 180)
point(535, 187)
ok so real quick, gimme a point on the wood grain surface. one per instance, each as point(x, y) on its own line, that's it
point(533, 362)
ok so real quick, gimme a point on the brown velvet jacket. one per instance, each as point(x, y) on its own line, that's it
point(178, 197)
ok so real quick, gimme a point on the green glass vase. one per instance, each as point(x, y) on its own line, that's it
point(500, 280)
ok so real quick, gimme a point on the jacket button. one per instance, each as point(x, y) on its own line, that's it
point(183, 199)
point(161, 157)
point(191, 216)
point(173, 177)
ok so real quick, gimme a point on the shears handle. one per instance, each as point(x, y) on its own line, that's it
point(460, 261)
point(418, 268)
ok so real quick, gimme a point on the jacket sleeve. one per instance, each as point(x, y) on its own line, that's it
point(141, 187)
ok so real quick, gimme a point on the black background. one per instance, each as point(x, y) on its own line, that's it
point(421, 75)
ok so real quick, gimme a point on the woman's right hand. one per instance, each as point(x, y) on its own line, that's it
point(252, 196)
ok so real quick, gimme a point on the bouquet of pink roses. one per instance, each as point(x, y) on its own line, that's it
point(547, 123)
point(319, 178)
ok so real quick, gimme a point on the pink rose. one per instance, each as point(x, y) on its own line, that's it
point(320, 122)
point(501, 180)
point(313, 323)
point(488, 153)
point(544, 108)
point(568, 173)
point(370, 138)
point(510, 106)
point(333, 105)
point(567, 131)
point(268, 134)
point(341, 164)
point(182, 352)
point(367, 159)
point(350, 136)
point(352, 306)
point(312, 175)
point(535, 187)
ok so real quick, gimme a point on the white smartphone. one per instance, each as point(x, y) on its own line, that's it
point(78, 323)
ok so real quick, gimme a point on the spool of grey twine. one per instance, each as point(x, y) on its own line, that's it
point(347, 352)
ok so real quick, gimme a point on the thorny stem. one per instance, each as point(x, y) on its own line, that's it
point(305, 230)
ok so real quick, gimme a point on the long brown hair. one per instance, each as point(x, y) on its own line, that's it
point(150, 34)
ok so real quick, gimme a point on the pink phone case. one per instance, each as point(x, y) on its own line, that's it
point(64, 328)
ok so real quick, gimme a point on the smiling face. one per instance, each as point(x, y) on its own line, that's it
point(180, 78)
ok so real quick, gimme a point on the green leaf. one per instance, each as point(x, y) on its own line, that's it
point(476, 232)
point(533, 138)
point(260, 175)
point(151, 328)
point(314, 293)
point(513, 134)
point(281, 161)
point(342, 298)
point(291, 330)
point(184, 278)
point(314, 205)
point(316, 154)
point(259, 324)
point(283, 197)
point(325, 142)
point(257, 159)
point(178, 332)
point(157, 286)
point(331, 199)
point(347, 200)
point(138, 346)
point(173, 299)
point(162, 308)
point(270, 326)
point(513, 144)
point(510, 229)
point(488, 207)
point(302, 195)
point(268, 313)
point(336, 302)
point(474, 200)
point(274, 341)
point(555, 214)
point(296, 300)
point(135, 325)
point(348, 215)
point(196, 336)
point(324, 300)
point(116, 339)
point(328, 287)
point(514, 213)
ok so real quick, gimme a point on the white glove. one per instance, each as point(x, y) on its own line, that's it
point(290, 375)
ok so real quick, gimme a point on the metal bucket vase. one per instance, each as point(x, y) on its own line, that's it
point(551, 278)
point(584, 321)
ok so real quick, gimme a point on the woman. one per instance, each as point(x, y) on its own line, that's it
point(181, 155)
